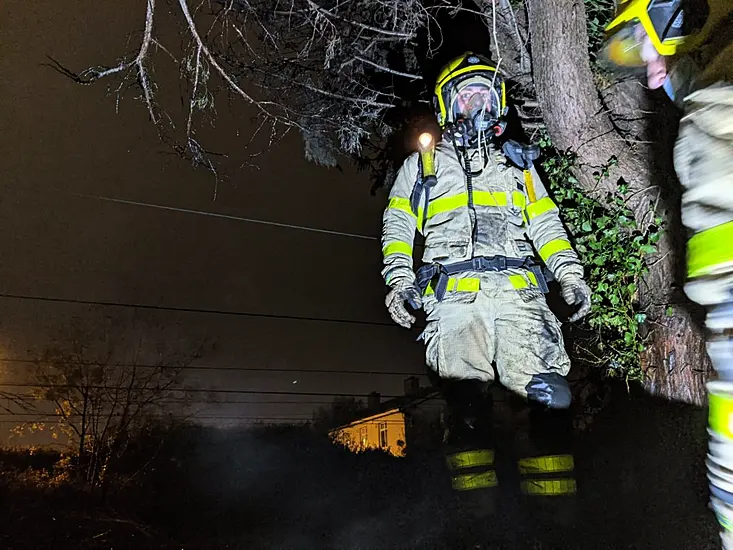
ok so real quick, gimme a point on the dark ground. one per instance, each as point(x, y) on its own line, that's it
point(640, 472)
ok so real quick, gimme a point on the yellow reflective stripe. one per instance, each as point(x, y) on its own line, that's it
point(720, 415)
point(452, 74)
point(540, 207)
point(480, 198)
point(549, 487)
point(553, 247)
point(403, 205)
point(518, 281)
point(469, 284)
point(398, 203)
point(519, 199)
point(445, 204)
point(397, 248)
point(487, 198)
point(468, 482)
point(546, 464)
point(470, 459)
point(725, 523)
point(710, 250)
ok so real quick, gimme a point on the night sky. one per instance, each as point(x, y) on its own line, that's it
point(61, 140)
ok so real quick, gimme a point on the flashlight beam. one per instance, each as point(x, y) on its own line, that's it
point(227, 217)
point(425, 140)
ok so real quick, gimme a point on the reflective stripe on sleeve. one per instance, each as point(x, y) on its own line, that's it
point(397, 248)
point(540, 207)
point(710, 250)
point(553, 247)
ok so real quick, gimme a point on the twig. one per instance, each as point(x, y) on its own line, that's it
point(387, 69)
point(377, 30)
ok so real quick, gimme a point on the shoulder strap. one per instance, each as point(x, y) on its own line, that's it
point(523, 156)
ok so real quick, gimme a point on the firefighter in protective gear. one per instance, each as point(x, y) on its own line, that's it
point(480, 214)
point(685, 47)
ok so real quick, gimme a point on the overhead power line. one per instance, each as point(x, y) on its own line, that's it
point(191, 390)
point(52, 299)
point(417, 244)
point(178, 416)
point(227, 368)
point(229, 217)
point(60, 419)
point(250, 418)
point(190, 401)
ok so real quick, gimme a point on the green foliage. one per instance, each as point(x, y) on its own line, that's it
point(612, 249)
point(599, 14)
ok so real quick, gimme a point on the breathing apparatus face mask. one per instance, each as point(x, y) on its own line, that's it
point(475, 111)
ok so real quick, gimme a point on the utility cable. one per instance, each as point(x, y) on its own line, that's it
point(52, 299)
point(224, 368)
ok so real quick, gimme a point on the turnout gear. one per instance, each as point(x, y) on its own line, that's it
point(699, 78)
point(482, 288)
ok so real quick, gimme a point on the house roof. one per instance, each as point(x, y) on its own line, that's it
point(397, 404)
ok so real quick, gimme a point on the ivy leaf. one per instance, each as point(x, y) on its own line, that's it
point(647, 249)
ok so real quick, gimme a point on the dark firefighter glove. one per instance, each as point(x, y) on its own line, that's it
point(575, 292)
point(402, 292)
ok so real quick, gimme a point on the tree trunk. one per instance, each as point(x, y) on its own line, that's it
point(580, 119)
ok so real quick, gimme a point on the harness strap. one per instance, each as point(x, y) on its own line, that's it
point(439, 274)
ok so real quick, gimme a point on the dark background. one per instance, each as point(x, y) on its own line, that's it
point(61, 140)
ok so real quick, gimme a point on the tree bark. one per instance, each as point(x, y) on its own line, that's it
point(582, 120)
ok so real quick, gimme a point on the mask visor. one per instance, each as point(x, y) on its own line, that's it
point(477, 102)
point(623, 49)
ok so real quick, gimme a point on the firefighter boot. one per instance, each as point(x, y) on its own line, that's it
point(546, 465)
point(469, 447)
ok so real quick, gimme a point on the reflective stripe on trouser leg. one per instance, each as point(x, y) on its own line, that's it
point(549, 475)
point(720, 460)
point(472, 469)
point(720, 401)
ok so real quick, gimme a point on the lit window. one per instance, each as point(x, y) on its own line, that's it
point(363, 436)
point(383, 434)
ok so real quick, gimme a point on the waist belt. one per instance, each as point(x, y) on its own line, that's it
point(438, 274)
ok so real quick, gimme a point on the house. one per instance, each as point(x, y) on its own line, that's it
point(411, 420)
